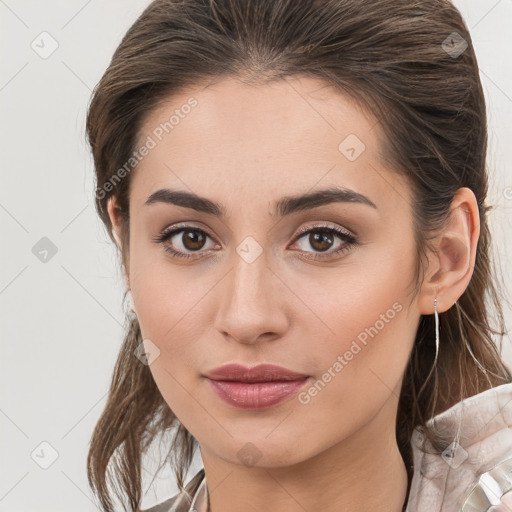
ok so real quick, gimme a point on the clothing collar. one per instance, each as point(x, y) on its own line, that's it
point(443, 481)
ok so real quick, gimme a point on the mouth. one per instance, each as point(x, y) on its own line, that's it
point(260, 373)
point(255, 388)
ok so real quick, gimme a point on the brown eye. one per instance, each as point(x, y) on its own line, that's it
point(183, 242)
point(193, 240)
point(321, 240)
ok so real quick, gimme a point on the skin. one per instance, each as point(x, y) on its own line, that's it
point(245, 147)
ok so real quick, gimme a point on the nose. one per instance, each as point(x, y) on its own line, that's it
point(252, 302)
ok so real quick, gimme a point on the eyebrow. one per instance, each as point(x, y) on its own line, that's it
point(285, 206)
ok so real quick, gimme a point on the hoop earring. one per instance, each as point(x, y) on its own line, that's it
point(436, 318)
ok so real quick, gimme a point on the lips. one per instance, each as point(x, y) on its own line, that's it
point(259, 387)
point(260, 373)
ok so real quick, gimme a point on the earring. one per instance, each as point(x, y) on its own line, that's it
point(436, 318)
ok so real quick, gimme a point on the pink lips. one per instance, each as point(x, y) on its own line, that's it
point(255, 388)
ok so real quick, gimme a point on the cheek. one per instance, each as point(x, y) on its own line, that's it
point(165, 295)
point(175, 306)
point(363, 298)
point(371, 329)
point(172, 321)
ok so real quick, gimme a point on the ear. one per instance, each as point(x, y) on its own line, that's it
point(450, 267)
point(115, 218)
point(114, 212)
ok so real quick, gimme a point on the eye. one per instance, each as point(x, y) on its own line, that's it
point(186, 238)
point(321, 238)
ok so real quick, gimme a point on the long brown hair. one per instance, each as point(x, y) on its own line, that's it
point(407, 63)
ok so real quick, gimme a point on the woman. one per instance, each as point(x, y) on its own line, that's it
point(297, 190)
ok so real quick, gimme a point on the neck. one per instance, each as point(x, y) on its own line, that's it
point(364, 471)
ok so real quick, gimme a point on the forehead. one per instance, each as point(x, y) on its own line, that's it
point(251, 140)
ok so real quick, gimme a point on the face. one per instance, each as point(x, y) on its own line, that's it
point(320, 287)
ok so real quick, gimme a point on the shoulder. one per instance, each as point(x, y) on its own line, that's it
point(480, 431)
point(180, 502)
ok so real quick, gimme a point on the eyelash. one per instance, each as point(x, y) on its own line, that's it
point(348, 238)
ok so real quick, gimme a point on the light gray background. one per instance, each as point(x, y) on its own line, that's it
point(62, 319)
